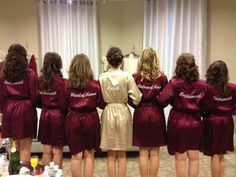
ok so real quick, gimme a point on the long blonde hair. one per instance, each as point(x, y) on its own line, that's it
point(80, 72)
point(149, 64)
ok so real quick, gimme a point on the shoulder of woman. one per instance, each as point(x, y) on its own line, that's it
point(136, 75)
point(31, 72)
point(102, 75)
point(231, 86)
point(163, 76)
point(94, 82)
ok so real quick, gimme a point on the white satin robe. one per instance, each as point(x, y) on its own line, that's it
point(117, 86)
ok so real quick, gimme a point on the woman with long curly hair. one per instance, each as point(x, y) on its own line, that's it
point(117, 87)
point(219, 106)
point(185, 93)
point(149, 117)
point(20, 92)
point(52, 119)
point(83, 96)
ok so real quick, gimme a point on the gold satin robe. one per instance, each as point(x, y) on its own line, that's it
point(117, 86)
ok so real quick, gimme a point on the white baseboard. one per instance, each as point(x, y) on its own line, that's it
point(37, 147)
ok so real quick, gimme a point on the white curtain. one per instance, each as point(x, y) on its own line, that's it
point(176, 26)
point(69, 27)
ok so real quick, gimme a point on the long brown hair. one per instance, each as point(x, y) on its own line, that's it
point(149, 65)
point(52, 65)
point(2, 66)
point(16, 64)
point(80, 72)
point(217, 74)
point(186, 68)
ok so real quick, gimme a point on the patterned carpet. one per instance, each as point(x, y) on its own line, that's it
point(166, 169)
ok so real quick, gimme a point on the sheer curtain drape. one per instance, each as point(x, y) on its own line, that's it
point(176, 26)
point(69, 27)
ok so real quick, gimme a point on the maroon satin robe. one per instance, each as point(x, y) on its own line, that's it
point(18, 106)
point(149, 128)
point(82, 121)
point(184, 128)
point(218, 120)
point(52, 119)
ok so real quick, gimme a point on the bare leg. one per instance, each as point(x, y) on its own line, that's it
point(193, 168)
point(180, 164)
point(76, 165)
point(222, 165)
point(122, 163)
point(25, 149)
point(58, 155)
point(215, 165)
point(143, 161)
point(111, 163)
point(154, 161)
point(88, 163)
point(47, 154)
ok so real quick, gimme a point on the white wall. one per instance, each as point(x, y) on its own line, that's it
point(19, 24)
point(222, 33)
point(121, 24)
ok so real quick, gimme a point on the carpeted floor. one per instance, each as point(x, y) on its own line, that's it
point(166, 169)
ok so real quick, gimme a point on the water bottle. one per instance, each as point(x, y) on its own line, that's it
point(50, 172)
point(59, 173)
point(55, 169)
point(46, 171)
point(4, 163)
point(5, 148)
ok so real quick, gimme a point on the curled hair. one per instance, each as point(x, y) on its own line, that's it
point(217, 74)
point(114, 57)
point(16, 63)
point(2, 66)
point(52, 65)
point(80, 72)
point(149, 65)
point(186, 68)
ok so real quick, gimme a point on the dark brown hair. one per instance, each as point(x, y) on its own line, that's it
point(52, 65)
point(16, 63)
point(114, 57)
point(186, 68)
point(217, 74)
point(80, 72)
point(2, 66)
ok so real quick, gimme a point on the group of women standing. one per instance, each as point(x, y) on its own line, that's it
point(200, 118)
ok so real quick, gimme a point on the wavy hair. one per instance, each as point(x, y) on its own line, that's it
point(80, 72)
point(2, 66)
point(114, 57)
point(186, 68)
point(149, 64)
point(16, 63)
point(52, 65)
point(218, 75)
